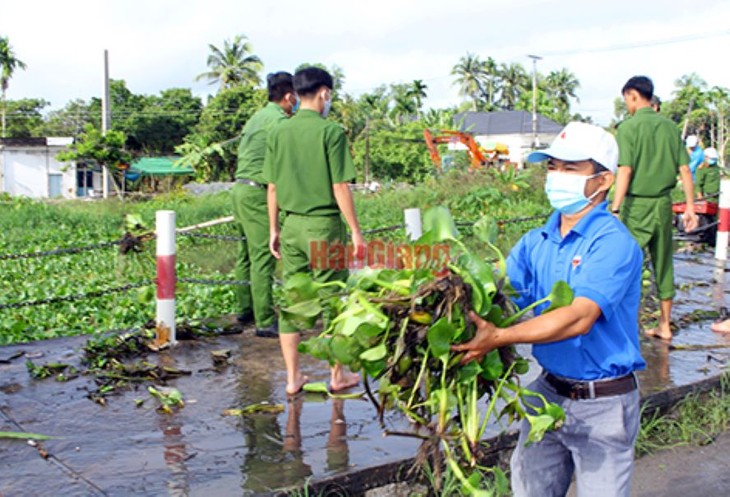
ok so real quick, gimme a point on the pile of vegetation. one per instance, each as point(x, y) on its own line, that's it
point(397, 327)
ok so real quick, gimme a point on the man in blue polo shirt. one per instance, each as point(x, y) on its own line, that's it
point(696, 155)
point(588, 350)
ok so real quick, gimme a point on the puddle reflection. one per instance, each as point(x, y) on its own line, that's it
point(175, 449)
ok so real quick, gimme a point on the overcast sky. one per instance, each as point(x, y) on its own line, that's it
point(158, 44)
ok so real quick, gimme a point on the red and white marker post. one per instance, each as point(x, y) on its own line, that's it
point(723, 218)
point(166, 276)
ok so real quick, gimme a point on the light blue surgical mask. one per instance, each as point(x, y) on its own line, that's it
point(295, 107)
point(566, 191)
point(327, 107)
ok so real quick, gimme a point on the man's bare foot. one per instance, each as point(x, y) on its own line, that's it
point(721, 327)
point(344, 380)
point(294, 387)
point(659, 333)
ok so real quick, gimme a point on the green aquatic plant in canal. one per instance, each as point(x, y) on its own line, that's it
point(397, 327)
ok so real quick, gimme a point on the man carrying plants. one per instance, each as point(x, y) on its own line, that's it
point(255, 263)
point(588, 350)
point(308, 168)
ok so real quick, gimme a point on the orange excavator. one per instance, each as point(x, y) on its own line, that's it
point(478, 156)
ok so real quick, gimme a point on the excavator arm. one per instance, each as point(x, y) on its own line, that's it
point(476, 155)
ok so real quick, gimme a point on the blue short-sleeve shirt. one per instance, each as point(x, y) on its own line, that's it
point(600, 261)
point(696, 158)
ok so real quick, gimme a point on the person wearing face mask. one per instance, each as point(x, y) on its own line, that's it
point(308, 167)
point(589, 349)
point(651, 155)
point(255, 262)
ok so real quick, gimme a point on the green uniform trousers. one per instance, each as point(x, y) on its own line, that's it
point(708, 181)
point(649, 219)
point(305, 241)
point(255, 263)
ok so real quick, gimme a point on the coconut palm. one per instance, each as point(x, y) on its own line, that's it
point(417, 91)
point(470, 78)
point(514, 81)
point(233, 65)
point(562, 85)
point(491, 77)
point(8, 64)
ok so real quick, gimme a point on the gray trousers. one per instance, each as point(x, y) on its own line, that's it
point(596, 443)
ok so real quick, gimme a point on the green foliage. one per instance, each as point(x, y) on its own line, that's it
point(211, 149)
point(398, 327)
point(398, 154)
point(24, 117)
point(233, 65)
point(96, 148)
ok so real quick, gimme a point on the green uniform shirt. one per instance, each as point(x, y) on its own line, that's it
point(252, 147)
point(305, 156)
point(651, 145)
point(708, 180)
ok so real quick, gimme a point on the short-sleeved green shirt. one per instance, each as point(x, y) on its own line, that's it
point(651, 145)
point(708, 180)
point(252, 147)
point(305, 156)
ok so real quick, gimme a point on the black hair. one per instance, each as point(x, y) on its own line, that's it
point(309, 80)
point(641, 84)
point(279, 84)
point(598, 168)
point(655, 102)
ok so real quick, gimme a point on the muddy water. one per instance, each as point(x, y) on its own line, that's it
point(121, 449)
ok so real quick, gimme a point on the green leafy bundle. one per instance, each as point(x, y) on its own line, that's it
point(397, 327)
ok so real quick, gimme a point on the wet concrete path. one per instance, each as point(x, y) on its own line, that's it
point(121, 449)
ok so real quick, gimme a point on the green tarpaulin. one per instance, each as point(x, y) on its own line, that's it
point(160, 166)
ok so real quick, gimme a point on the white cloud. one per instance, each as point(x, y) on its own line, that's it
point(159, 44)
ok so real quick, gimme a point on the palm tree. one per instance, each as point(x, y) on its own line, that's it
point(562, 85)
point(514, 81)
point(8, 64)
point(233, 65)
point(471, 74)
point(417, 91)
point(491, 74)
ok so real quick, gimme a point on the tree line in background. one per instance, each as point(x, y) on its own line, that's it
point(384, 125)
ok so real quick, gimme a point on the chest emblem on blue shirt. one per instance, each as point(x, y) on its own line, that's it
point(576, 261)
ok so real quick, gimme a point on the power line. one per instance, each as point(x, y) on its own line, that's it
point(629, 46)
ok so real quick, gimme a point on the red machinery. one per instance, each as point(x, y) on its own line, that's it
point(479, 157)
point(706, 221)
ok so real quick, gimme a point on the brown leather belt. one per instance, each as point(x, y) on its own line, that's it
point(249, 182)
point(577, 390)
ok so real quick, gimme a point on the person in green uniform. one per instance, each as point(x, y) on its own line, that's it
point(708, 175)
point(651, 153)
point(255, 262)
point(308, 168)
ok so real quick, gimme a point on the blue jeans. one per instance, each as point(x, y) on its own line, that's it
point(596, 443)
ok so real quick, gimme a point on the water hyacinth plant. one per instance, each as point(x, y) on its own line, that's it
point(397, 326)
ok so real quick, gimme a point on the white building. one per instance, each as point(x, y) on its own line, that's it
point(28, 167)
point(510, 127)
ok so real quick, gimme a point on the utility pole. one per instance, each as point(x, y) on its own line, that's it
point(106, 122)
point(367, 150)
point(535, 58)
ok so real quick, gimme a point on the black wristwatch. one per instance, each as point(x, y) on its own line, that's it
point(615, 211)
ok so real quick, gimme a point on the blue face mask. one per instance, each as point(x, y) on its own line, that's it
point(327, 107)
point(566, 192)
point(295, 107)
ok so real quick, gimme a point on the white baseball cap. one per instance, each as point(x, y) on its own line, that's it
point(691, 141)
point(581, 141)
point(711, 153)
